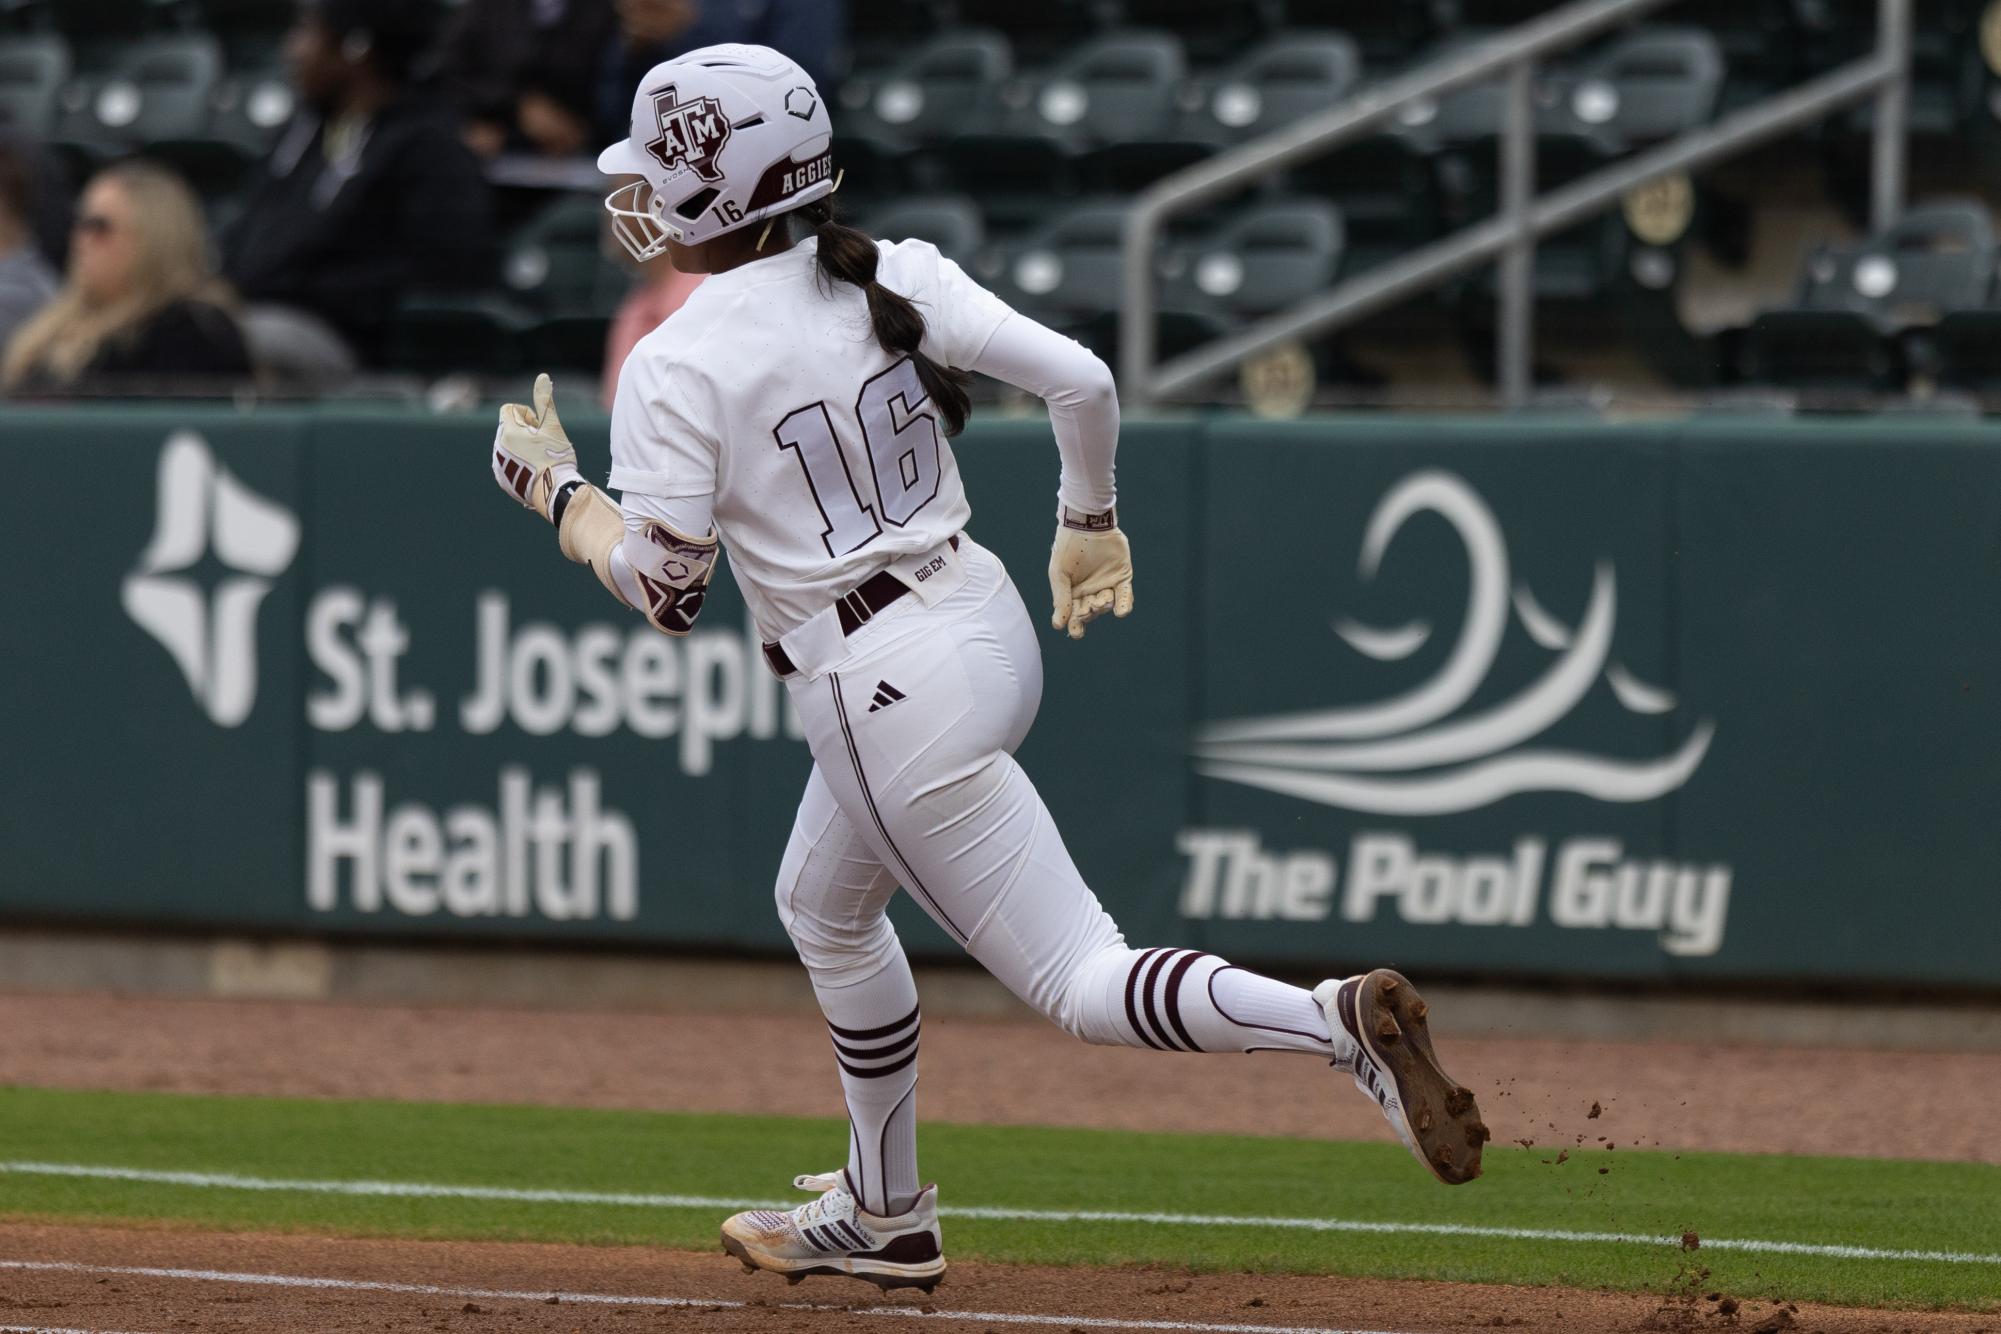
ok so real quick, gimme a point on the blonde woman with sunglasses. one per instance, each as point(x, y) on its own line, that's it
point(141, 309)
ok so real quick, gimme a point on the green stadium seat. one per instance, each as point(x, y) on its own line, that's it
point(1947, 75)
point(451, 333)
point(557, 264)
point(1389, 32)
point(1853, 326)
point(1067, 270)
point(159, 88)
point(1271, 256)
point(1212, 33)
point(1105, 114)
point(1294, 74)
point(1114, 89)
point(1041, 30)
point(950, 222)
point(1938, 258)
point(1643, 87)
point(33, 70)
point(949, 85)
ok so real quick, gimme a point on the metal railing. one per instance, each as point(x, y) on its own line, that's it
point(1510, 235)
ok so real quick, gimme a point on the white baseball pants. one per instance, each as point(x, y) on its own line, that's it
point(915, 784)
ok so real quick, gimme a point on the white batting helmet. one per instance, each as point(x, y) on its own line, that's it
point(721, 137)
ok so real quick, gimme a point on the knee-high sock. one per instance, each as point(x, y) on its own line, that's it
point(874, 1027)
point(1185, 1000)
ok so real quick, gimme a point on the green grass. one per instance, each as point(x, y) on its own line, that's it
point(1856, 1202)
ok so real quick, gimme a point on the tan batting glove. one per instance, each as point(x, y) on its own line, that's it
point(1090, 570)
point(532, 457)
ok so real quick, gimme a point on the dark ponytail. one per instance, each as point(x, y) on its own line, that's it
point(849, 255)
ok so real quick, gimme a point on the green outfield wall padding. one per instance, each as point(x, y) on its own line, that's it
point(1704, 699)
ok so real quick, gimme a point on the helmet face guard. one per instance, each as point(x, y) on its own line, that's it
point(635, 221)
point(720, 138)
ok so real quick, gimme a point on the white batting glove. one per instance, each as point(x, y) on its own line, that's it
point(1090, 570)
point(532, 457)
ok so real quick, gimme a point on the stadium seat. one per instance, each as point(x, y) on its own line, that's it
point(1834, 354)
point(1068, 275)
point(1962, 352)
point(1758, 40)
point(99, 31)
point(1938, 258)
point(157, 89)
point(1849, 330)
point(1270, 257)
point(1067, 270)
point(1213, 33)
point(1117, 88)
point(451, 333)
point(1390, 32)
point(1294, 74)
point(949, 85)
point(33, 69)
point(1946, 70)
point(880, 31)
point(1644, 87)
point(1041, 30)
point(251, 107)
point(950, 222)
point(557, 264)
point(1105, 113)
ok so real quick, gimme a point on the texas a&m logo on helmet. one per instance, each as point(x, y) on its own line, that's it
point(692, 134)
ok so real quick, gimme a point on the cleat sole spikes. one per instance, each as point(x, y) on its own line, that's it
point(1441, 1114)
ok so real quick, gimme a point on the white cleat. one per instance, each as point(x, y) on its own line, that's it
point(833, 1235)
point(1381, 1038)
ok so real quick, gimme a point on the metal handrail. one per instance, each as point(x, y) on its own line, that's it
point(1523, 217)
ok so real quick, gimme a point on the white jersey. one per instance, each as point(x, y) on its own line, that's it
point(767, 391)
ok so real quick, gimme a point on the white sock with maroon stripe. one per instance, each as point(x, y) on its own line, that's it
point(1185, 1000)
point(874, 1026)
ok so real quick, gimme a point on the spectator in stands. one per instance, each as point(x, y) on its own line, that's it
point(650, 31)
point(661, 290)
point(26, 280)
point(368, 195)
point(522, 74)
point(142, 307)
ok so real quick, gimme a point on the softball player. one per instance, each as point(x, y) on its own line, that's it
point(797, 412)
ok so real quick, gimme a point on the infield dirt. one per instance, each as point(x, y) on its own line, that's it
point(1680, 1096)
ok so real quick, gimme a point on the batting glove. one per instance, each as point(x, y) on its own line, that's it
point(532, 457)
point(1090, 570)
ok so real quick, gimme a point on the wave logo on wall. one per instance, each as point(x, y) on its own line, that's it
point(206, 617)
point(1418, 753)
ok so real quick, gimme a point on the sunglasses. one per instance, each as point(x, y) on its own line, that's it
point(95, 224)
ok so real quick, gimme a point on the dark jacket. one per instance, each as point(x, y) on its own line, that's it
point(347, 240)
point(188, 346)
point(494, 53)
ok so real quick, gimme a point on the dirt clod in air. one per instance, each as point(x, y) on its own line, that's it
point(1604, 1171)
point(1562, 1157)
point(1773, 1323)
point(472, 1308)
point(1727, 1307)
point(1595, 1112)
point(1689, 1242)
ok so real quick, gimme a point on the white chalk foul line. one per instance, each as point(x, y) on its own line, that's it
point(615, 1299)
point(430, 1190)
